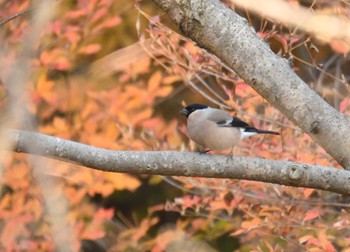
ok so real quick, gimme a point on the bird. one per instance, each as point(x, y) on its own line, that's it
point(216, 129)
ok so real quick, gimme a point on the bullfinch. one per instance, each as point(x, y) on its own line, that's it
point(215, 129)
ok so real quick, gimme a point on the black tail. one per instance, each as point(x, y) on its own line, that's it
point(267, 132)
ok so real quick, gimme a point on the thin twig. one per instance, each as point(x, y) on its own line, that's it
point(18, 14)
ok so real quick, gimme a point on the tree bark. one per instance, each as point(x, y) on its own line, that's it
point(173, 163)
point(222, 32)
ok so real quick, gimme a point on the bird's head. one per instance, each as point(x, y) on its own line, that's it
point(191, 108)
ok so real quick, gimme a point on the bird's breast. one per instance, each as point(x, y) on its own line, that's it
point(210, 136)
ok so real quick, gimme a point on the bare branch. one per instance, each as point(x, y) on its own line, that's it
point(18, 14)
point(173, 163)
point(218, 29)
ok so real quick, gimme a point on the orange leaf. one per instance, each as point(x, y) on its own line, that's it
point(154, 81)
point(254, 223)
point(144, 227)
point(237, 232)
point(111, 131)
point(308, 192)
point(141, 67)
point(60, 123)
point(90, 49)
point(143, 115)
point(329, 247)
point(171, 79)
point(123, 181)
point(56, 59)
point(76, 14)
point(73, 37)
point(322, 236)
point(105, 189)
point(108, 24)
point(98, 14)
point(62, 64)
point(93, 233)
point(43, 84)
point(164, 91)
point(111, 22)
point(104, 214)
point(340, 46)
point(214, 205)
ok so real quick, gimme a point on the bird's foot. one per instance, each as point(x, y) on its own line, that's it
point(230, 155)
point(229, 158)
point(204, 151)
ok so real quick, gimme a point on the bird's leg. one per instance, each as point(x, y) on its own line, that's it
point(231, 152)
point(230, 156)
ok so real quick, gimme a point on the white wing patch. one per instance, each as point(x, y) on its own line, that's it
point(245, 134)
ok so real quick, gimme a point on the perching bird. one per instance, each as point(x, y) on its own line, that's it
point(215, 129)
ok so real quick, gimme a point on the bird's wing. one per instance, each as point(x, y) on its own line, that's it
point(233, 122)
point(218, 115)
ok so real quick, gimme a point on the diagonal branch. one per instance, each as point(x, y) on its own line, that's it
point(18, 14)
point(221, 31)
point(173, 163)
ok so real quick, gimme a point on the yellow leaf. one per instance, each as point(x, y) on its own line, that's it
point(139, 117)
point(154, 81)
point(43, 84)
point(164, 91)
point(171, 79)
point(123, 181)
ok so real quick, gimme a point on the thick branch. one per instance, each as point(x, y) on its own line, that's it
point(173, 163)
point(222, 32)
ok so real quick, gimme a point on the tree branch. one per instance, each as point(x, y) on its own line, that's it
point(173, 163)
point(18, 14)
point(227, 35)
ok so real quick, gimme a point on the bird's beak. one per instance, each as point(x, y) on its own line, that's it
point(184, 112)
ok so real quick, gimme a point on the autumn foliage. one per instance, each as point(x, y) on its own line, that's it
point(112, 74)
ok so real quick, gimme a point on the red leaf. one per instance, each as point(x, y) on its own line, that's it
point(98, 14)
point(312, 214)
point(108, 23)
point(344, 105)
